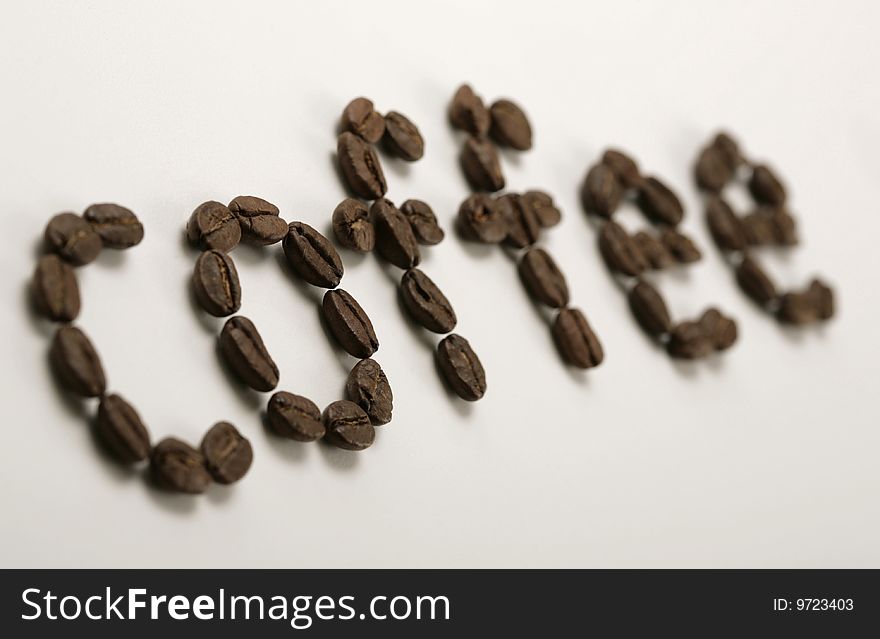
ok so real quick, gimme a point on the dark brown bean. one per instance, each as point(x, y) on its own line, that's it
point(247, 356)
point(543, 279)
point(601, 191)
point(688, 340)
point(796, 308)
point(213, 226)
point(72, 238)
point(721, 330)
point(294, 417)
point(312, 256)
point(523, 228)
point(360, 167)
point(765, 187)
point(729, 150)
point(712, 170)
point(350, 324)
point(576, 341)
point(55, 290)
point(468, 113)
point(758, 229)
point(402, 137)
point(76, 362)
point(479, 161)
point(395, 240)
point(624, 167)
point(619, 250)
point(177, 466)
point(368, 387)
point(258, 219)
point(461, 368)
point(348, 426)
point(544, 208)
point(655, 253)
point(755, 282)
point(649, 309)
point(822, 298)
point(784, 227)
point(681, 246)
point(482, 220)
point(118, 226)
point(120, 428)
point(423, 222)
point(352, 226)
point(362, 119)
point(228, 454)
point(510, 126)
point(725, 226)
point(215, 284)
point(659, 203)
point(426, 303)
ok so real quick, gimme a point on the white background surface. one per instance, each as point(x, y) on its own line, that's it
point(767, 456)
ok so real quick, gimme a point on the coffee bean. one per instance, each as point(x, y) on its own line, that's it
point(729, 150)
point(294, 417)
point(363, 120)
point(349, 324)
point(120, 428)
point(796, 308)
point(482, 220)
point(755, 282)
point(523, 228)
point(402, 137)
point(395, 240)
point(228, 454)
point(542, 278)
point(352, 226)
point(712, 170)
point(368, 387)
point(213, 226)
point(360, 167)
point(510, 126)
point(312, 256)
point(655, 253)
point(765, 187)
point(258, 219)
point(758, 229)
point(719, 329)
point(55, 290)
point(461, 368)
point(681, 246)
point(601, 191)
point(215, 284)
point(348, 426)
point(688, 340)
point(468, 113)
point(659, 203)
point(725, 226)
point(542, 205)
point(72, 238)
point(426, 303)
point(177, 466)
point(619, 250)
point(576, 341)
point(118, 227)
point(649, 309)
point(822, 298)
point(244, 351)
point(479, 161)
point(784, 227)
point(76, 363)
point(623, 166)
point(423, 222)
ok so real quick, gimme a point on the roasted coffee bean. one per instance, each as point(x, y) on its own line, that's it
point(719, 329)
point(542, 278)
point(712, 170)
point(177, 466)
point(312, 256)
point(228, 454)
point(725, 226)
point(758, 229)
point(423, 222)
point(118, 227)
point(120, 428)
point(360, 167)
point(576, 341)
point(352, 226)
point(461, 368)
point(348, 426)
point(72, 238)
point(426, 303)
point(688, 340)
point(822, 298)
point(619, 250)
point(649, 309)
point(784, 227)
point(659, 203)
point(294, 417)
point(395, 240)
point(655, 253)
point(215, 284)
point(213, 226)
point(244, 351)
point(624, 167)
point(368, 387)
point(601, 191)
point(479, 161)
point(349, 324)
point(755, 282)
point(729, 150)
point(55, 290)
point(482, 220)
point(402, 137)
point(796, 308)
point(681, 246)
point(468, 113)
point(363, 120)
point(76, 363)
point(523, 228)
point(765, 187)
point(258, 219)
point(542, 205)
point(510, 126)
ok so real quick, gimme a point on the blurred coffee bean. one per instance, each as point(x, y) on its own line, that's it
point(765, 187)
point(402, 137)
point(721, 330)
point(55, 290)
point(177, 466)
point(755, 282)
point(784, 227)
point(510, 126)
point(729, 150)
point(479, 161)
point(423, 222)
point(76, 362)
point(623, 166)
point(543, 279)
point(228, 454)
point(120, 428)
point(523, 228)
point(649, 309)
point(681, 246)
point(659, 203)
point(619, 250)
point(688, 340)
point(725, 226)
point(758, 229)
point(542, 205)
point(468, 113)
point(482, 220)
point(712, 170)
point(822, 298)
point(601, 191)
point(653, 250)
point(574, 338)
